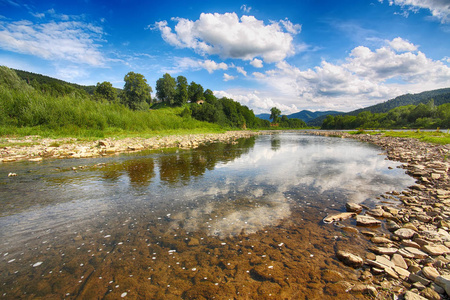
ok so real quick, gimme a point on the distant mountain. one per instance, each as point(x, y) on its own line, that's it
point(307, 115)
point(304, 115)
point(264, 116)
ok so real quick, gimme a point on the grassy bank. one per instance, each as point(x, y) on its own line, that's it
point(435, 137)
point(25, 111)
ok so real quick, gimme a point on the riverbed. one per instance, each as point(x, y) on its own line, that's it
point(224, 220)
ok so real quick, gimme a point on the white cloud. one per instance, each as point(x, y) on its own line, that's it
point(246, 8)
point(241, 70)
point(257, 63)
point(290, 27)
point(364, 78)
point(440, 9)
point(187, 63)
point(70, 41)
point(232, 37)
point(401, 45)
point(227, 77)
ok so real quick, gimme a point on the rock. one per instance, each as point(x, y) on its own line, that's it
point(415, 252)
point(391, 272)
point(430, 273)
point(402, 272)
point(392, 226)
point(367, 221)
point(380, 240)
point(384, 261)
point(430, 294)
point(353, 207)
point(436, 249)
point(404, 233)
point(386, 251)
point(417, 278)
point(376, 212)
point(409, 243)
point(349, 259)
point(413, 296)
point(398, 260)
point(443, 282)
point(364, 289)
point(338, 217)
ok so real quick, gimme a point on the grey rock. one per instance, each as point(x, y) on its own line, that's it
point(367, 221)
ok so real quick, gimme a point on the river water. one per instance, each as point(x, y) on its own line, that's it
point(222, 221)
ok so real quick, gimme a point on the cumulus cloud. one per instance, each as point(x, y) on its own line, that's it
point(227, 77)
point(258, 101)
point(72, 41)
point(212, 66)
point(440, 9)
point(186, 63)
point(364, 78)
point(229, 36)
point(400, 45)
point(257, 63)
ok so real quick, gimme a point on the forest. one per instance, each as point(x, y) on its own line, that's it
point(427, 116)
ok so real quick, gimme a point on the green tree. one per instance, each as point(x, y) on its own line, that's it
point(181, 95)
point(274, 114)
point(136, 92)
point(195, 92)
point(105, 90)
point(165, 89)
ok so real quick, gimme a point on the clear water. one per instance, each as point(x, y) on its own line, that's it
point(196, 223)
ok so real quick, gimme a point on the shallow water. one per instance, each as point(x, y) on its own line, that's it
point(222, 221)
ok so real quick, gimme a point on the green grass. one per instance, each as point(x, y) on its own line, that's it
point(435, 137)
point(24, 113)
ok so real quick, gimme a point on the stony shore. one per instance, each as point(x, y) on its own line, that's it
point(409, 252)
point(34, 148)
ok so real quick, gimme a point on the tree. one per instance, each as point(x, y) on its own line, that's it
point(165, 89)
point(136, 91)
point(274, 114)
point(195, 92)
point(105, 90)
point(181, 95)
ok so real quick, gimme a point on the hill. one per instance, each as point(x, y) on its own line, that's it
point(440, 96)
point(304, 115)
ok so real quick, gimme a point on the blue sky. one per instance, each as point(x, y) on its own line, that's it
point(295, 55)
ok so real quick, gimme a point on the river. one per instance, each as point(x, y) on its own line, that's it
point(222, 221)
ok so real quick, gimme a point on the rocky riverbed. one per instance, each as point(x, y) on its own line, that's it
point(409, 251)
point(35, 148)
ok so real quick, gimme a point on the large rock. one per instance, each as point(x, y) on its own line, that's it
point(338, 217)
point(444, 282)
point(398, 260)
point(430, 273)
point(349, 259)
point(404, 233)
point(353, 207)
point(436, 249)
point(367, 221)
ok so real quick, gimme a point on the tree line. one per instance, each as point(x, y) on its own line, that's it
point(427, 116)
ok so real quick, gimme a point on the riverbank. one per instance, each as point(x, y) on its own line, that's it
point(35, 148)
point(409, 252)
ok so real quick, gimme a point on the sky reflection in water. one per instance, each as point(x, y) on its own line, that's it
point(222, 190)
